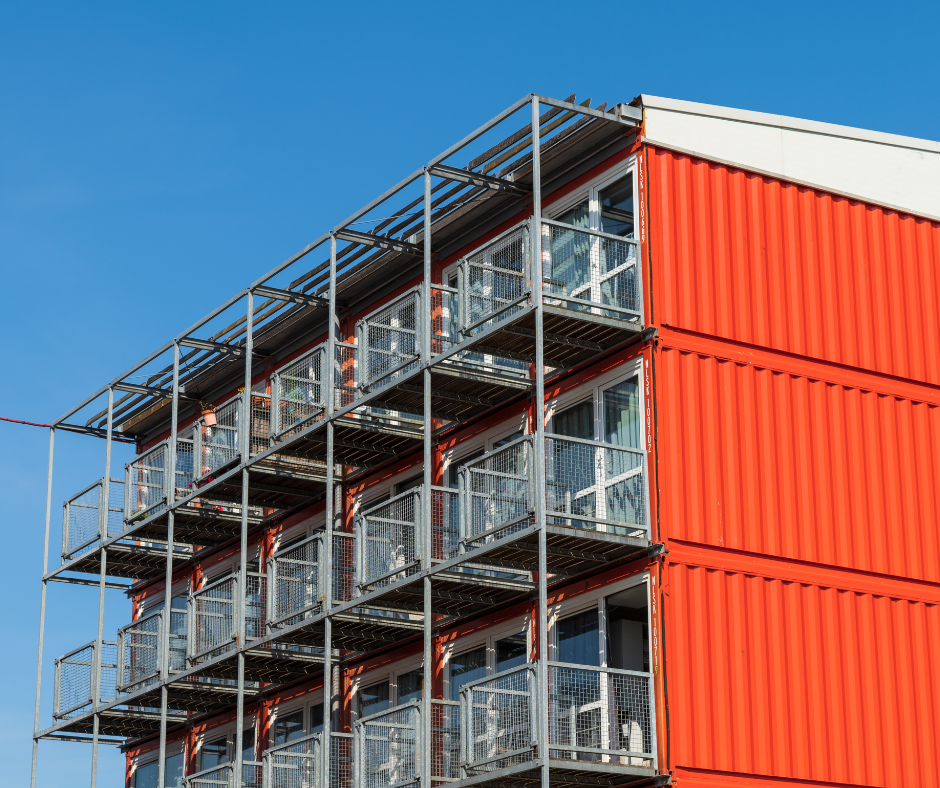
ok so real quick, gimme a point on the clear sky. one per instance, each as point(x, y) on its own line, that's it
point(157, 157)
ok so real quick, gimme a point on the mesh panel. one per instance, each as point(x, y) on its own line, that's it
point(213, 618)
point(445, 513)
point(390, 341)
point(596, 485)
point(388, 538)
point(251, 774)
point(219, 443)
point(146, 481)
point(295, 765)
point(107, 688)
point(345, 391)
point(211, 778)
point(494, 277)
point(81, 521)
point(500, 721)
point(300, 395)
point(344, 567)
point(498, 496)
point(73, 682)
point(588, 271)
point(139, 643)
point(260, 423)
point(295, 581)
point(341, 760)
point(445, 741)
point(594, 712)
point(256, 605)
point(388, 751)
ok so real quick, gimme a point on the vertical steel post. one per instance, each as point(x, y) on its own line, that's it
point(426, 318)
point(241, 588)
point(170, 486)
point(329, 388)
point(104, 502)
point(537, 284)
point(42, 607)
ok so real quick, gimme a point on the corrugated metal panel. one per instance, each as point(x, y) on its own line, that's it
point(789, 680)
point(774, 463)
point(756, 260)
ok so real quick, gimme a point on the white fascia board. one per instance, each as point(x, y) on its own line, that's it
point(888, 169)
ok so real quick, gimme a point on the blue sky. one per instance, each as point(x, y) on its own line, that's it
point(157, 157)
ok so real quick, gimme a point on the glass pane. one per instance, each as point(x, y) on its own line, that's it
point(466, 667)
point(373, 699)
point(146, 776)
point(622, 416)
point(409, 686)
point(579, 216)
point(316, 718)
point(578, 639)
point(511, 651)
point(174, 771)
point(214, 753)
point(627, 630)
point(288, 728)
point(576, 421)
point(455, 466)
point(409, 484)
point(617, 208)
point(248, 744)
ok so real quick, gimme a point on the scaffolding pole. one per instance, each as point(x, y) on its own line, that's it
point(536, 278)
point(427, 321)
point(103, 505)
point(170, 488)
point(330, 394)
point(42, 608)
point(242, 594)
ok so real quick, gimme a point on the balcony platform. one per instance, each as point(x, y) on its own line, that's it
point(129, 560)
point(127, 723)
point(569, 551)
point(565, 773)
point(358, 630)
point(265, 664)
point(571, 336)
point(192, 694)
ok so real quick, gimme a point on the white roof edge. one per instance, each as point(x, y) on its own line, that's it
point(784, 122)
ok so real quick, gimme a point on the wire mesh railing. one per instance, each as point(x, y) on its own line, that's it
point(388, 748)
point(217, 445)
point(596, 486)
point(587, 270)
point(444, 748)
point(388, 537)
point(77, 689)
point(601, 715)
point(389, 341)
point(140, 646)
point(298, 392)
point(497, 493)
point(211, 616)
point(494, 281)
point(147, 486)
point(81, 523)
point(499, 721)
point(223, 776)
point(297, 764)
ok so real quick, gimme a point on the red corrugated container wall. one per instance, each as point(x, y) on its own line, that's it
point(757, 260)
point(778, 464)
point(797, 681)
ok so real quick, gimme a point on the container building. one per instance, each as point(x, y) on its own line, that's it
point(602, 450)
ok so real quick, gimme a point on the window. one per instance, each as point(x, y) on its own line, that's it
point(316, 718)
point(577, 639)
point(501, 651)
point(409, 484)
point(466, 667)
point(601, 484)
point(410, 686)
point(373, 699)
point(248, 744)
point(589, 267)
point(288, 727)
point(214, 753)
point(147, 775)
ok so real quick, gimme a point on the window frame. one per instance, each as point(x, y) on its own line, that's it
point(304, 705)
point(520, 625)
point(390, 674)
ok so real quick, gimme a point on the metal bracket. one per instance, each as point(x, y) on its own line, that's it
point(288, 295)
point(381, 241)
point(478, 179)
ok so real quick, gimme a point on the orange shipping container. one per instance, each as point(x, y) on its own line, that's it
point(798, 681)
point(757, 260)
point(785, 465)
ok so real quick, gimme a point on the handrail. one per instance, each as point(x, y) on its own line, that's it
point(588, 231)
point(595, 443)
